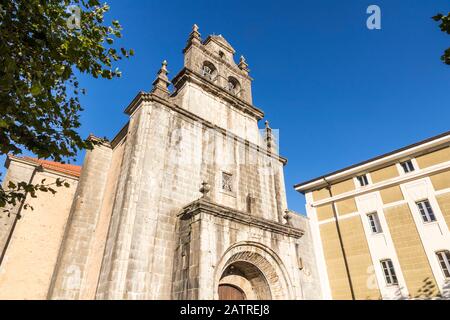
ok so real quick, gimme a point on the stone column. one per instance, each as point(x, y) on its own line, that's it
point(69, 276)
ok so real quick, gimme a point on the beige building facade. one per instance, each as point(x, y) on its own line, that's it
point(30, 239)
point(187, 201)
point(381, 227)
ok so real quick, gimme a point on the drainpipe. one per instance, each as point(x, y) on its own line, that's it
point(347, 269)
point(17, 217)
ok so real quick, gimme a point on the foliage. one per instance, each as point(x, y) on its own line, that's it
point(445, 27)
point(16, 193)
point(43, 45)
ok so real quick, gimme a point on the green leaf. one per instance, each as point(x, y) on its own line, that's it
point(36, 89)
point(40, 62)
point(437, 17)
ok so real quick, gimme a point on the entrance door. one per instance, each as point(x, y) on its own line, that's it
point(228, 292)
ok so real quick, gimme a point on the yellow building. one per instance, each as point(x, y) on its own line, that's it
point(381, 227)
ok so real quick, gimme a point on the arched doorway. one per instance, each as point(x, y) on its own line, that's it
point(229, 292)
point(248, 279)
point(254, 270)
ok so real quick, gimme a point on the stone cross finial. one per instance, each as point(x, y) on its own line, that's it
point(161, 83)
point(204, 189)
point(243, 65)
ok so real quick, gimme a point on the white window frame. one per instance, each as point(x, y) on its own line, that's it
point(408, 166)
point(374, 223)
point(390, 276)
point(366, 175)
point(443, 257)
point(426, 212)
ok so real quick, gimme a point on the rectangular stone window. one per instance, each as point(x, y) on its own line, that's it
point(227, 182)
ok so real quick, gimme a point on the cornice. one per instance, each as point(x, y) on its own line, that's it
point(414, 150)
point(42, 168)
point(149, 97)
point(204, 206)
point(120, 135)
point(99, 141)
point(436, 169)
point(187, 74)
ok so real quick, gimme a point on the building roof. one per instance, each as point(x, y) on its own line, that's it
point(376, 161)
point(69, 169)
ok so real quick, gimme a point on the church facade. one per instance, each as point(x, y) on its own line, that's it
point(188, 201)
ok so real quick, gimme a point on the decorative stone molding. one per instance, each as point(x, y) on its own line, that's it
point(189, 75)
point(204, 206)
point(99, 141)
point(149, 97)
point(265, 260)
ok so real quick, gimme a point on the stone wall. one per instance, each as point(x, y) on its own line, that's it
point(213, 237)
point(71, 278)
point(30, 257)
point(167, 156)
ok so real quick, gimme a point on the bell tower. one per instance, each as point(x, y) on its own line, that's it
point(216, 88)
point(213, 59)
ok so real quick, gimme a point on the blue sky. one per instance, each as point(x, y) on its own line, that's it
point(338, 92)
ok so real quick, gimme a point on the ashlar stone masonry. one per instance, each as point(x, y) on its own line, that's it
point(188, 200)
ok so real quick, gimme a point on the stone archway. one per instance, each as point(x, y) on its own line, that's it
point(254, 269)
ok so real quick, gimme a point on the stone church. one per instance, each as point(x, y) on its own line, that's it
point(187, 201)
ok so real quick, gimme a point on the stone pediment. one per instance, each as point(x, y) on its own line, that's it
point(221, 41)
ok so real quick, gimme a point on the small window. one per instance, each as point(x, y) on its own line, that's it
point(374, 222)
point(407, 166)
point(389, 272)
point(363, 181)
point(233, 85)
point(209, 71)
point(444, 261)
point(426, 211)
point(250, 201)
point(227, 181)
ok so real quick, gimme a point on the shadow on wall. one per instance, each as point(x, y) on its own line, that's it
point(428, 291)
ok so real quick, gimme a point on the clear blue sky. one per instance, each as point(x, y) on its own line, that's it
point(338, 92)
